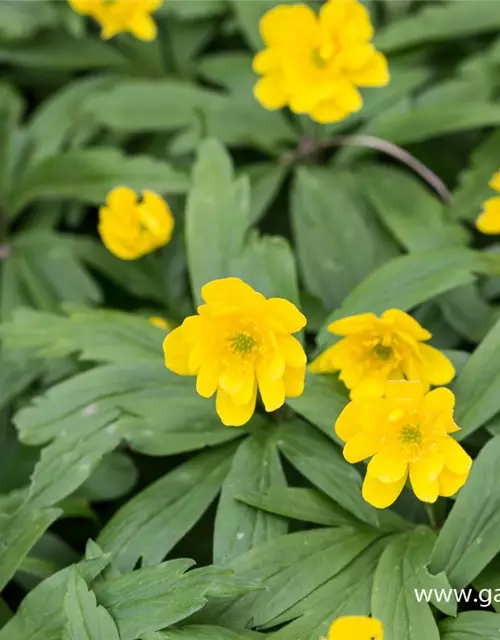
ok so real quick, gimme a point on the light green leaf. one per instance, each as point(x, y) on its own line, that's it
point(322, 463)
point(114, 477)
point(407, 281)
point(440, 23)
point(205, 632)
point(469, 538)
point(232, 71)
point(466, 310)
point(336, 246)
point(476, 387)
point(396, 578)
point(471, 625)
point(18, 534)
point(248, 15)
point(307, 505)
point(85, 619)
point(41, 614)
point(18, 20)
point(89, 174)
point(152, 522)
point(473, 188)
point(265, 182)
point(238, 527)
point(11, 107)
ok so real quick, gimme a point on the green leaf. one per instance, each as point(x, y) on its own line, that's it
point(290, 568)
point(407, 281)
point(85, 619)
point(396, 579)
point(11, 107)
point(307, 505)
point(163, 595)
point(205, 632)
point(238, 527)
point(469, 539)
point(41, 614)
point(18, 534)
point(336, 247)
point(248, 15)
point(89, 174)
point(195, 9)
point(408, 209)
point(440, 23)
point(466, 310)
point(232, 70)
point(475, 389)
point(471, 625)
point(266, 180)
point(473, 188)
point(114, 477)
point(18, 20)
point(152, 522)
point(322, 463)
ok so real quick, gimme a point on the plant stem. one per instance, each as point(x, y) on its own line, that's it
point(431, 515)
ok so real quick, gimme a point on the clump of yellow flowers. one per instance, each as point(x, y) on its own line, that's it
point(356, 628)
point(121, 16)
point(314, 63)
point(489, 220)
point(240, 341)
point(407, 435)
point(131, 229)
point(374, 350)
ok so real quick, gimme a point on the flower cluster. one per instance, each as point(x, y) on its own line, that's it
point(356, 628)
point(129, 228)
point(240, 341)
point(121, 16)
point(489, 220)
point(375, 350)
point(407, 435)
point(314, 64)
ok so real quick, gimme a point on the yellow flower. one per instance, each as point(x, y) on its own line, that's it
point(240, 341)
point(489, 220)
point(375, 350)
point(121, 16)
point(407, 433)
point(161, 323)
point(314, 64)
point(356, 628)
point(129, 228)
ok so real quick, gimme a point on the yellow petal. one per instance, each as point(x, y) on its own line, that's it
point(489, 220)
point(404, 322)
point(294, 379)
point(329, 111)
point(348, 97)
point(424, 476)
point(143, 27)
point(239, 383)
point(269, 92)
point(354, 324)
point(293, 352)
point(295, 25)
point(374, 74)
point(231, 414)
point(177, 349)
point(359, 415)
point(286, 314)
point(121, 198)
point(450, 483)
point(228, 292)
point(155, 215)
point(362, 446)
point(323, 363)
point(125, 248)
point(266, 61)
point(404, 389)
point(371, 386)
point(272, 389)
point(85, 7)
point(381, 494)
point(387, 468)
point(208, 379)
point(348, 19)
point(356, 628)
point(435, 366)
point(439, 401)
point(457, 460)
point(494, 183)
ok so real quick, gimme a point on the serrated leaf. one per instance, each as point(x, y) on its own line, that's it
point(89, 174)
point(238, 527)
point(205, 632)
point(85, 619)
point(475, 389)
point(18, 533)
point(152, 522)
point(471, 625)
point(468, 540)
point(396, 578)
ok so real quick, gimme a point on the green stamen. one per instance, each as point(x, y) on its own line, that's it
point(242, 343)
point(383, 352)
point(411, 434)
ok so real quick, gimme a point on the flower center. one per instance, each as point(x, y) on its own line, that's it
point(318, 59)
point(242, 343)
point(383, 352)
point(411, 434)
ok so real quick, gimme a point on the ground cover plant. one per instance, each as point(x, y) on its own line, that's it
point(250, 321)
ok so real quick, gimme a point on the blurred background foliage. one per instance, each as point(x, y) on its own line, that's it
point(101, 443)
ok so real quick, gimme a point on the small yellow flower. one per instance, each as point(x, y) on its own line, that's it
point(407, 433)
point(121, 16)
point(240, 341)
point(489, 220)
point(314, 64)
point(161, 323)
point(356, 628)
point(375, 350)
point(129, 228)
